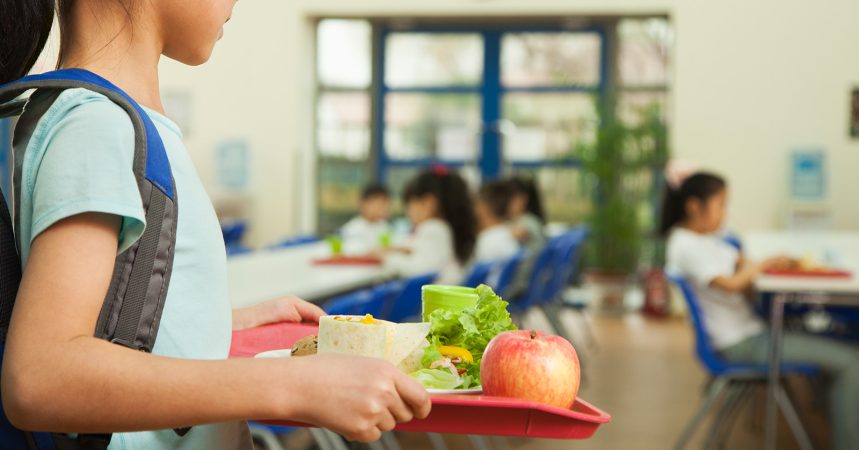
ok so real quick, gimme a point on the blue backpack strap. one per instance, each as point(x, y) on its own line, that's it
point(130, 314)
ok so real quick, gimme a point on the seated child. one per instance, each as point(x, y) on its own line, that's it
point(439, 207)
point(365, 232)
point(525, 213)
point(692, 217)
point(495, 240)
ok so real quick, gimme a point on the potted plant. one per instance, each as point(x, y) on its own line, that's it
point(623, 169)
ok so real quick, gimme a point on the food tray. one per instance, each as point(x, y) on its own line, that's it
point(348, 261)
point(458, 414)
point(823, 273)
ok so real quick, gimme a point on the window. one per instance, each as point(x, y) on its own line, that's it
point(342, 117)
point(487, 100)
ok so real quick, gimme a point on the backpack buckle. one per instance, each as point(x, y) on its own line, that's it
point(131, 345)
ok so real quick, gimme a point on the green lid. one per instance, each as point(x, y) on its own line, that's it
point(436, 296)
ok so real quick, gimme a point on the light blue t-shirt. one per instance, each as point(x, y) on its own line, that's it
point(79, 159)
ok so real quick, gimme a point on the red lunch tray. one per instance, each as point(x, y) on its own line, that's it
point(458, 414)
point(348, 261)
point(827, 273)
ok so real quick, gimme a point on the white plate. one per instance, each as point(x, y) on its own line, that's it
point(282, 353)
point(474, 390)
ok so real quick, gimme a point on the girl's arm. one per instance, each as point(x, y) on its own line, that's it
point(58, 377)
point(746, 273)
point(284, 309)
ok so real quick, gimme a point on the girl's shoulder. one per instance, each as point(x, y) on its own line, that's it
point(75, 117)
point(434, 227)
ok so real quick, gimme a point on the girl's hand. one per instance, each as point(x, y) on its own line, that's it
point(778, 263)
point(356, 397)
point(284, 309)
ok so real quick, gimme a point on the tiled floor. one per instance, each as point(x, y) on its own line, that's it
point(644, 374)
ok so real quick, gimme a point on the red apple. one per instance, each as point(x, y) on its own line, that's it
point(531, 365)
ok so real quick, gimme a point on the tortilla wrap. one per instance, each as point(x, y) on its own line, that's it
point(400, 344)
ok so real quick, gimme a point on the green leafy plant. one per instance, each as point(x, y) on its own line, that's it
point(623, 168)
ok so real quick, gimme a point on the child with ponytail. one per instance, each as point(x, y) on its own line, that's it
point(693, 216)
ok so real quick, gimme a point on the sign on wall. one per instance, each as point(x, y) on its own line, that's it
point(808, 175)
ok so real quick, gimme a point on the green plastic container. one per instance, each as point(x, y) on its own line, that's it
point(437, 296)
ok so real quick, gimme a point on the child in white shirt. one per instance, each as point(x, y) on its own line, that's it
point(439, 207)
point(495, 241)
point(365, 232)
point(719, 275)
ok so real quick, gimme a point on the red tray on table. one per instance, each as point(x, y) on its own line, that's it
point(348, 261)
point(823, 273)
point(458, 414)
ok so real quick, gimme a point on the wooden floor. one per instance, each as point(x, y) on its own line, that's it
point(645, 375)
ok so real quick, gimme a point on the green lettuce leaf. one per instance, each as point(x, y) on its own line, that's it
point(437, 379)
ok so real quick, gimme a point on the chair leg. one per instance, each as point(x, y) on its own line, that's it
point(266, 436)
point(731, 417)
point(590, 339)
point(479, 442)
point(723, 414)
point(437, 441)
point(328, 440)
point(792, 419)
point(716, 389)
point(390, 441)
point(500, 442)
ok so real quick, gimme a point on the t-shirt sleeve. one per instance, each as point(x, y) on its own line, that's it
point(699, 266)
point(87, 167)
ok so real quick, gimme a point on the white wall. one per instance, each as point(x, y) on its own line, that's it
point(753, 80)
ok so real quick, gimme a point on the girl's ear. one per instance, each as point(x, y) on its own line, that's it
point(693, 207)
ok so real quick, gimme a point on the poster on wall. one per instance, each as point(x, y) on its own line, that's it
point(854, 113)
point(808, 175)
point(232, 164)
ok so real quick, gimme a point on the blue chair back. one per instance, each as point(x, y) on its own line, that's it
point(538, 279)
point(563, 264)
point(354, 304)
point(506, 274)
point(295, 241)
point(237, 249)
point(479, 274)
point(233, 231)
point(734, 241)
point(709, 356)
point(406, 304)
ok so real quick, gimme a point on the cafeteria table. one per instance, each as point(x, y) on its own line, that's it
point(267, 274)
point(835, 249)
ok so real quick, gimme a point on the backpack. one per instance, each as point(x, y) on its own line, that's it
point(131, 311)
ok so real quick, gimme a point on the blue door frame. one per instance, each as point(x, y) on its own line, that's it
point(491, 90)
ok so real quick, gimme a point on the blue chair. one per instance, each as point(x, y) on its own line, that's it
point(355, 303)
point(479, 274)
point(541, 273)
point(237, 249)
point(405, 303)
point(563, 267)
point(295, 241)
point(733, 381)
point(233, 231)
point(502, 275)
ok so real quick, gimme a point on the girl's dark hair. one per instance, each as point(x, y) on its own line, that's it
point(24, 26)
point(701, 186)
point(527, 187)
point(454, 204)
point(374, 190)
point(496, 195)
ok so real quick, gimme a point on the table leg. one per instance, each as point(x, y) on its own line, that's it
point(776, 328)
